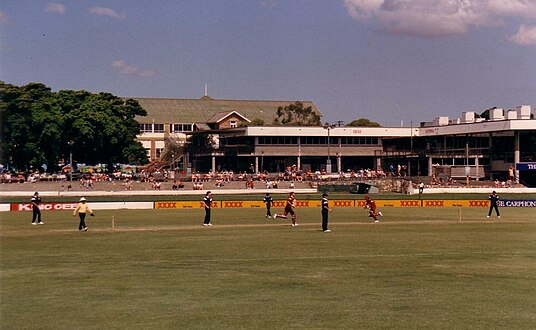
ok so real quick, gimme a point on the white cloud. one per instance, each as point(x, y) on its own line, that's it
point(427, 19)
point(128, 69)
point(526, 35)
point(55, 8)
point(362, 8)
point(105, 11)
point(516, 8)
point(437, 18)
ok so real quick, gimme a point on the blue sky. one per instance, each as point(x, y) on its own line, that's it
point(386, 60)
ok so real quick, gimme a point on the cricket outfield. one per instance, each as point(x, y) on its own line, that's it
point(418, 268)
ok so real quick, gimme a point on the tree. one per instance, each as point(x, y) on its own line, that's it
point(37, 126)
point(363, 122)
point(257, 122)
point(296, 114)
point(103, 129)
point(21, 112)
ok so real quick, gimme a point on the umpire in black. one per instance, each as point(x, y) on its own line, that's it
point(207, 203)
point(493, 199)
point(268, 200)
point(36, 216)
point(325, 212)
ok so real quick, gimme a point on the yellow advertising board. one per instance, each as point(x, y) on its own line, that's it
point(430, 203)
point(316, 203)
point(184, 205)
point(242, 204)
point(478, 203)
point(339, 203)
point(397, 203)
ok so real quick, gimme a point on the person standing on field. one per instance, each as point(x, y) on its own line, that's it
point(36, 218)
point(82, 208)
point(325, 211)
point(207, 203)
point(493, 199)
point(289, 208)
point(269, 201)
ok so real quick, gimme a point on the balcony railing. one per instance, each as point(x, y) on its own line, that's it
point(433, 152)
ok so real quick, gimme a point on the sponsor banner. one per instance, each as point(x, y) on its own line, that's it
point(72, 206)
point(455, 203)
point(526, 166)
point(317, 204)
point(279, 203)
point(171, 205)
point(394, 203)
point(306, 203)
point(254, 204)
point(436, 203)
point(184, 205)
point(433, 203)
point(240, 204)
point(517, 203)
point(339, 203)
point(298, 203)
point(361, 203)
point(250, 204)
point(427, 203)
point(259, 204)
point(45, 206)
point(478, 203)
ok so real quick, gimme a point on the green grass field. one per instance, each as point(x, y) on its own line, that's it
point(160, 269)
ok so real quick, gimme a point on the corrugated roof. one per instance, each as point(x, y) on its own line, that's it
point(166, 110)
point(219, 116)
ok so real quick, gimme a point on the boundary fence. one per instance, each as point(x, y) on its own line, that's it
point(337, 203)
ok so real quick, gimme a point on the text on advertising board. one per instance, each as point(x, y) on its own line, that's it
point(526, 166)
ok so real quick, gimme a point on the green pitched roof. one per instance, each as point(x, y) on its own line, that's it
point(165, 110)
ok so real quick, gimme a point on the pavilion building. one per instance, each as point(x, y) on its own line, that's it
point(239, 135)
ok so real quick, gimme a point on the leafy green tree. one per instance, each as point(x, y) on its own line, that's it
point(103, 129)
point(38, 126)
point(363, 122)
point(21, 112)
point(257, 122)
point(134, 153)
point(296, 114)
